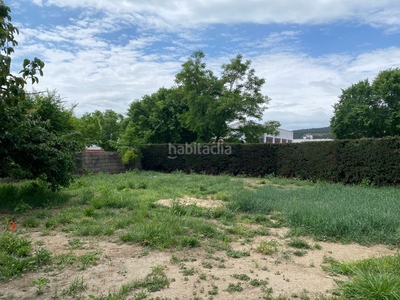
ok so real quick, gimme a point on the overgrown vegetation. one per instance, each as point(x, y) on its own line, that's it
point(125, 207)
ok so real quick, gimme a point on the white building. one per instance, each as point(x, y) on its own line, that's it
point(284, 137)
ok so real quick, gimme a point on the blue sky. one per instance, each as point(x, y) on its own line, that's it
point(104, 54)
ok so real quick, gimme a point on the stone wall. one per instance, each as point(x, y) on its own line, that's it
point(95, 162)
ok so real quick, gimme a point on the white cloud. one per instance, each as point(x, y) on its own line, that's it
point(97, 73)
point(191, 13)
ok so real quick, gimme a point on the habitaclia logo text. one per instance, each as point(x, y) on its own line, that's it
point(198, 149)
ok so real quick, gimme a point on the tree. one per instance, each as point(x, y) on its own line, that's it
point(101, 128)
point(369, 110)
point(213, 103)
point(35, 141)
point(155, 118)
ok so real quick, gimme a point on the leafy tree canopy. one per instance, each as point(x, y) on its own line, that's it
point(201, 106)
point(101, 128)
point(35, 136)
point(369, 109)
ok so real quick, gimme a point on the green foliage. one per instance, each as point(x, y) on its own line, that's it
point(372, 278)
point(213, 103)
point(330, 212)
point(369, 109)
point(101, 128)
point(16, 256)
point(201, 107)
point(366, 161)
point(34, 137)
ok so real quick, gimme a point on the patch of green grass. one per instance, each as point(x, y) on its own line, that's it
point(30, 222)
point(64, 260)
point(88, 259)
point(76, 287)
point(372, 278)
point(258, 282)
point(243, 277)
point(237, 253)
point(331, 211)
point(232, 288)
point(75, 243)
point(214, 290)
point(268, 247)
point(155, 281)
point(16, 256)
point(299, 243)
point(207, 265)
point(300, 252)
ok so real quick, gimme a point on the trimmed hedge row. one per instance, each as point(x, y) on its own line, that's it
point(375, 161)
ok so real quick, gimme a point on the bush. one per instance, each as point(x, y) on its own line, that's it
point(366, 161)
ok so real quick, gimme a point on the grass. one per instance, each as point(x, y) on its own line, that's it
point(330, 211)
point(372, 278)
point(123, 208)
point(299, 244)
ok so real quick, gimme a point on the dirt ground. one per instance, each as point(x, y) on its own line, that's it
point(288, 275)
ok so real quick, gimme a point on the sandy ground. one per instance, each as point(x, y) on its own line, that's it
point(287, 274)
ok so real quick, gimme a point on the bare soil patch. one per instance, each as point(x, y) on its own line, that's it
point(286, 274)
point(187, 200)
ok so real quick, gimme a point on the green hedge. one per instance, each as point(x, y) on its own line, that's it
point(375, 161)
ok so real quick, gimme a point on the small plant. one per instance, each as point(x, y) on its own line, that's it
point(214, 290)
point(234, 287)
point(188, 272)
point(299, 243)
point(207, 265)
point(203, 276)
point(88, 259)
point(317, 246)
point(175, 259)
point(237, 253)
point(41, 284)
point(257, 282)
point(243, 277)
point(300, 252)
point(77, 286)
point(268, 247)
point(75, 243)
point(30, 222)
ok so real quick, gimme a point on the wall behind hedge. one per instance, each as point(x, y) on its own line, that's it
point(376, 161)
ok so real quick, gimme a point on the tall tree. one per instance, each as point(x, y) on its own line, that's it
point(101, 128)
point(369, 109)
point(213, 103)
point(155, 118)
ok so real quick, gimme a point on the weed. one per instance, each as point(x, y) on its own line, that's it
point(30, 222)
point(243, 277)
point(207, 265)
point(188, 272)
point(75, 243)
point(299, 243)
point(268, 247)
point(88, 259)
point(234, 287)
point(300, 252)
point(76, 287)
point(317, 246)
point(41, 284)
point(257, 282)
point(237, 253)
point(214, 290)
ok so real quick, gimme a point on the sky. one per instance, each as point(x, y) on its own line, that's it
point(104, 54)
